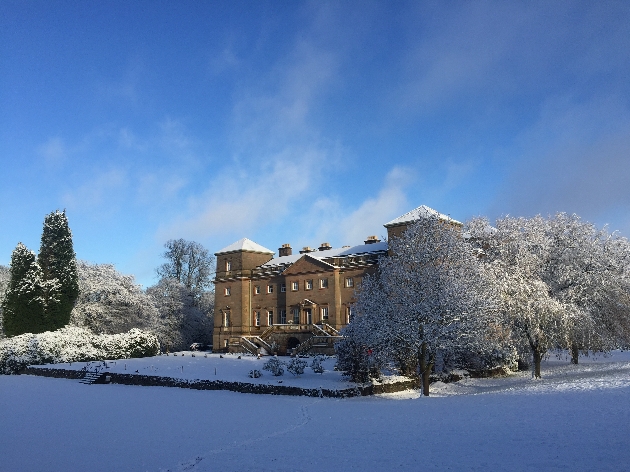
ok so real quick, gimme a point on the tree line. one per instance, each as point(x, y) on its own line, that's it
point(48, 291)
point(486, 297)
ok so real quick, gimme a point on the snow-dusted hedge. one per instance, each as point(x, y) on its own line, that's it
point(72, 344)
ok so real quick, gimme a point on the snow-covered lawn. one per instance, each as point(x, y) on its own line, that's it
point(575, 418)
point(226, 367)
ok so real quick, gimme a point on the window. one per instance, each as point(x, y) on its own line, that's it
point(269, 288)
point(227, 291)
point(283, 288)
point(257, 289)
point(283, 316)
point(270, 318)
point(324, 313)
point(349, 282)
point(227, 343)
point(295, 286)
point(226, 319)
point(256, 318)
point(228, 265)
point(308, 285)
point(296, 315)
point(323, 283)
point(348, 314)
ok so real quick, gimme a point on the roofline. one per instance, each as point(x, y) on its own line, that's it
point(407, 223)
point(243, 250)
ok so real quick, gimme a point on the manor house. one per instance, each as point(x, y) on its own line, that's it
point(294, 303)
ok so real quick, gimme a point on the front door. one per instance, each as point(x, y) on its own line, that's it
point(309, 315)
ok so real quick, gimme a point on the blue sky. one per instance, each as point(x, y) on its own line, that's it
point(304, 122)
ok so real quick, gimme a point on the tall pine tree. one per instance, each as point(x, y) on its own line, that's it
point(59, 269)
point(23, 304)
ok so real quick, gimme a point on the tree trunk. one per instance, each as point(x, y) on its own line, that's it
point(537, 359)
point(575, 353)
point(426, 365)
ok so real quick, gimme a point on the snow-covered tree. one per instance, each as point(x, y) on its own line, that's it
point(180, 320)
point(57, 261)
point(429, 300)
point(190, 264)
point(5, 276)
point(23, 304)
point(110, 302)
point(588, 272)
point(563, 283)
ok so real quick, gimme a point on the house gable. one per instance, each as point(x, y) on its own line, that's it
point(307, 264)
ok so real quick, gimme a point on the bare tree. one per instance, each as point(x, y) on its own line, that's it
point(190, 264)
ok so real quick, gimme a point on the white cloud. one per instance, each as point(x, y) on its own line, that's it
point(53, 151)
point(574, 159)
point(373, 213)
point(240, 200)
point(98, 192)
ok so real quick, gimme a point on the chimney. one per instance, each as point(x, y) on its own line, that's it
point(285, 250)
point(306, 249)
point(372, 240)
point(324, 247)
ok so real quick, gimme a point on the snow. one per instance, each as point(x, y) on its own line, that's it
point(576, 418)
point(244, 245)
point(422, 211)
point(228, 368)
point(330, 253)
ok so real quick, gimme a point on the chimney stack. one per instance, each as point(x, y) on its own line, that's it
point(324, 247)
point(285, 250)
point(372, 240)
point(306, 249)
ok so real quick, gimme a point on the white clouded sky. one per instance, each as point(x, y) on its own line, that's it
point(305, 122)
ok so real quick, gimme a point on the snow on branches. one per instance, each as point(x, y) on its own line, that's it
point(430, 300)
point(562, 282)
point(73, 345)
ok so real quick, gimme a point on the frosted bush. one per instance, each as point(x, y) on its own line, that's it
point(72, 344)
point(275, 366)
point(255, 373)
point(316, 365)
point(297, 366)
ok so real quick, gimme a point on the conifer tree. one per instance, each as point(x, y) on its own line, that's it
point(59, 268)
point(23, 304)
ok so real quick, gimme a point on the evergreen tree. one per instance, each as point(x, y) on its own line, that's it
point(23, 304)
point(59, 268)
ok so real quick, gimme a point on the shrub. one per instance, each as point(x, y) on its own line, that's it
point(275, 366)
point(73, 345)
point(316, 365)
point(297, 366)
point(255, 373)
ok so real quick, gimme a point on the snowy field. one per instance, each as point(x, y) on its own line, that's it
point(575, 418)
point(226, 367)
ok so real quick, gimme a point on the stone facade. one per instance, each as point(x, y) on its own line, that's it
point(267, 304)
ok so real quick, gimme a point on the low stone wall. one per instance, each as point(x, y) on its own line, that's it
point(57, 373)
point(241, 387)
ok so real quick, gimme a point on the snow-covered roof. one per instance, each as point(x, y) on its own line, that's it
point(244, 245)
point(337, 252)
point(416, 214)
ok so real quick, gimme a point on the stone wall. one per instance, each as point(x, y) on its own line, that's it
point(241, 387)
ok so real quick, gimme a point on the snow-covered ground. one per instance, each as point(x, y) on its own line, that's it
point(189, 365)
point(575, 418)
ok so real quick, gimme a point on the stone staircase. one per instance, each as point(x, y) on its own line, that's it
point(327, 342)
point(91, 376)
